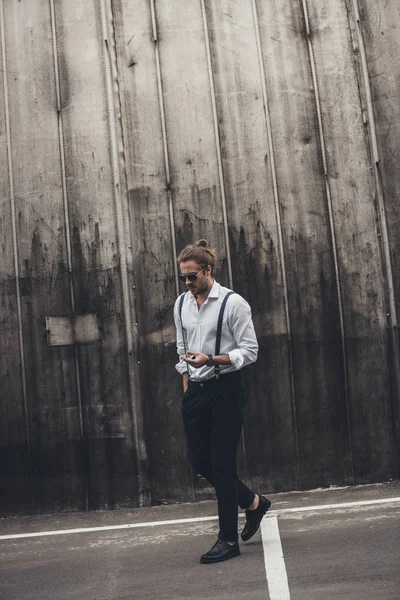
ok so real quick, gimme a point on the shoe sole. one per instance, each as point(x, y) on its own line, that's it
point(205, 561)
point(247, 538)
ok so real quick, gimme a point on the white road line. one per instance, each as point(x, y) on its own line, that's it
point(275, 568)
point(283, 511)
point(337, 505)
point(106, 528)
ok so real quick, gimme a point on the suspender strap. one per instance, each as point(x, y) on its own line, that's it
point(181, 300)
point(219, 330)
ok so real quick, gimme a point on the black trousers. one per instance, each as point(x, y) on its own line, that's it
point(213, 418)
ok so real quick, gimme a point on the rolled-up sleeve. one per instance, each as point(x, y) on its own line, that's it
point(181, 366)
point(242, 328)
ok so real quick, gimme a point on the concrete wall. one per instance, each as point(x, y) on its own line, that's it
point(129, 128)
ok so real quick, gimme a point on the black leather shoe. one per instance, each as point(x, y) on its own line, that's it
point(220, 551)
point(254, 518)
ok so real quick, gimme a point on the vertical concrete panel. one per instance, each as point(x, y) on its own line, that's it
point(247, 158)
point(379, 27)
point(191, 137)
point(15, 478)
point(313, 300)
point(97, 264)
point(44, 283)
point(147, 158)
point(361, 271)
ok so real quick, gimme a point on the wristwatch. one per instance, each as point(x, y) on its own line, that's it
point(210, 362)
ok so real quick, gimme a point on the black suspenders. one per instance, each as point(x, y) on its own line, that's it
point(219, 326)
point(181, 299)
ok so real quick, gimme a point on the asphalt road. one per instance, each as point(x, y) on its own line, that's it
point(330, 552)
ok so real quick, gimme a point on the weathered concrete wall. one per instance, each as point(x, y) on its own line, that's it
point(130, 128)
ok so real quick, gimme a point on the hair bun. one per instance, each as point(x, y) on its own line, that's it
point(200, 252)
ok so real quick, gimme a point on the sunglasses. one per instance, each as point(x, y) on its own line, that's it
point(191, 276)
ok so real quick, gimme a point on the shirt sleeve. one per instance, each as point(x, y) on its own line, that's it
point(181, 366)
point(241, 325)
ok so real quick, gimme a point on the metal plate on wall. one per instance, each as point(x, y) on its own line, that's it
point(79, 329)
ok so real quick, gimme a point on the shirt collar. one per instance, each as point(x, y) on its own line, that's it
point(214, 292)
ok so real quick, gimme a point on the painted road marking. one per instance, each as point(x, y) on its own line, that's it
point(197, 519)
point(274, 562)
point(337, 505)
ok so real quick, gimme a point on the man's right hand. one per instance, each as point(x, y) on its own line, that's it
point(185, 381)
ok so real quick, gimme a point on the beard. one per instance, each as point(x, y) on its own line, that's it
point(199, 288)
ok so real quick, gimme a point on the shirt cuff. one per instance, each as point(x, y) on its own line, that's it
point(181, 367)
point(236, 358)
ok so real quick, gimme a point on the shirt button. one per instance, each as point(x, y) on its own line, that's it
point(202, 385)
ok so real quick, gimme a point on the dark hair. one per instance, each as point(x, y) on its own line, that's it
point(200, 253)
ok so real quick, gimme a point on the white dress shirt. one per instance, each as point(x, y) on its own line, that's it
point(238, 338)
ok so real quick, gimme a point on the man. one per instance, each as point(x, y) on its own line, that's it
point(213, 400)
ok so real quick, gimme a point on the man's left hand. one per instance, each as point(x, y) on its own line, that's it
point(198, 361)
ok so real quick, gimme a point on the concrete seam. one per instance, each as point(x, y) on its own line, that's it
point(165, 141)
point(217, 143)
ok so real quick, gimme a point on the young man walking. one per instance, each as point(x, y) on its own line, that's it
point(215, 340)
